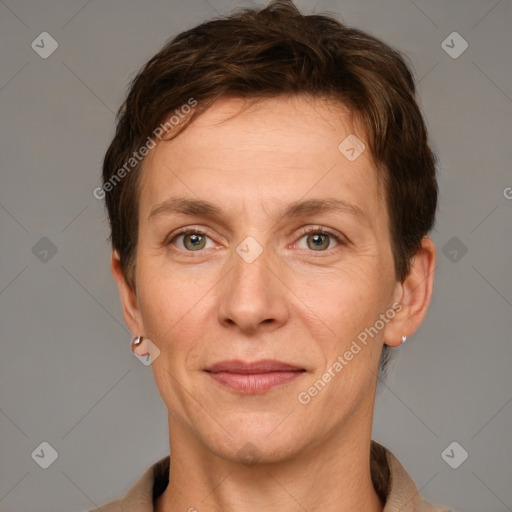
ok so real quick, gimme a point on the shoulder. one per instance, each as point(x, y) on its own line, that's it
point(140, 497)
point(112, 506)
point(402, 493)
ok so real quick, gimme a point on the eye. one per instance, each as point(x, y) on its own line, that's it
point(318, 240)
point(315, 239)
point(191, 240)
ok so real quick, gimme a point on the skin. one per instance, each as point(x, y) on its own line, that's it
point(295, 303)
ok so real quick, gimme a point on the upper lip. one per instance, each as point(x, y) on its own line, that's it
point(262, 366)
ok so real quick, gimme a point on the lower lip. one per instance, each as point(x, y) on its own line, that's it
point(254, 382)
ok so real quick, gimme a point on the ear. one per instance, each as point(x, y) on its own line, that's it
point(414, 295)
point(131, 309)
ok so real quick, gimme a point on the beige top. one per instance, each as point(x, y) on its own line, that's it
point(391, 482)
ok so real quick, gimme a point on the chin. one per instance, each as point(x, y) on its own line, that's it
point(249, 451)
point(252, 438)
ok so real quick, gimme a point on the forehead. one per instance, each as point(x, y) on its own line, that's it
point(270, 152)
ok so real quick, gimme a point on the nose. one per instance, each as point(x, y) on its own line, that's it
point(252, 296)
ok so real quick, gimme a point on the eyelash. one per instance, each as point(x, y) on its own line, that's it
point(303, 232)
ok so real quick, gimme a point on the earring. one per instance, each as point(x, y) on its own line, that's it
point(136, 342)
point(404, 339)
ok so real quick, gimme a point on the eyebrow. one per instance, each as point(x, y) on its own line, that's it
point(188, 206)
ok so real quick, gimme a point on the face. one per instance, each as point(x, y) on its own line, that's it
point(261, 242)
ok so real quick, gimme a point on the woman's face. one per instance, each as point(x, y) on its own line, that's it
point(248, 284)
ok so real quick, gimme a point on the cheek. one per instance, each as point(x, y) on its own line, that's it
point(174, 316)
point(345, 299)
point(348, 304)
point(172, 309)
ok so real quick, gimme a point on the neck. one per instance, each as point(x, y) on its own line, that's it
point(333, 475)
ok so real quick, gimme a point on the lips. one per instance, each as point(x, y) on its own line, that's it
point(255, 377)
point(263, 366)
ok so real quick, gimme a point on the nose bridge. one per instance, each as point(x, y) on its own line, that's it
point(251, 293)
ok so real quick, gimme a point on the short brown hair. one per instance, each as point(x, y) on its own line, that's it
point(274, 51)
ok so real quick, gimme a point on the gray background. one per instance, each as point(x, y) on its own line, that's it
point(67, 375)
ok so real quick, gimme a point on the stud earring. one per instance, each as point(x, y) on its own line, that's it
point(404, 339)
point(136, 342)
